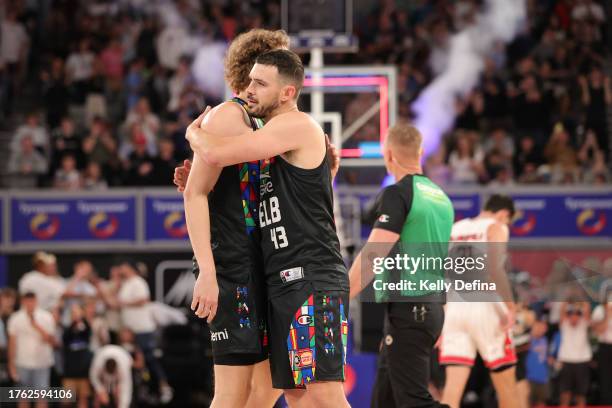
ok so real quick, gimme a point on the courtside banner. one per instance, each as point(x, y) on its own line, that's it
point(562, 215)
point(72, 220)
point(165, 219)
point(465, 205)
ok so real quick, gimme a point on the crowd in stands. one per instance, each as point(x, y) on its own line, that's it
point(117, 87)
point(96, 337)
point(563, 334)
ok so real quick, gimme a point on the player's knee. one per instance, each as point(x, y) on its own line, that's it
point(296, 398)
point(327, 394)
point(263, 395)
point(234, 391)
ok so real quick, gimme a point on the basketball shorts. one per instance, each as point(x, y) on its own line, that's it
point(475, 327)
point(308, 336)
point(238, 333)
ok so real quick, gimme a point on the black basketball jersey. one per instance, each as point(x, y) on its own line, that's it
point(296, 217)
point(233, 205)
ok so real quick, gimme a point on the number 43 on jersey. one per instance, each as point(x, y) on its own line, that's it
point(270, 214)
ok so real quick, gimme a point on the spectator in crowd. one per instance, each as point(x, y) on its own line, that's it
point(436, 169)
point(78, 288)
point(111, 376)
point(109, 291)
point(112, 60)
point(164, 164)
point(588, 10)
point(134, 83)
point(32, 128)
point(31, 341)
point(465, 162)
point(139, 166)
point(597, 97)
point(77, 356)
point(531, 108)
point(561, 156)
point(100, 146)
point(96, 104)
point(602, 317)
point(521, 335)
point(592, 159)
point(8, 302)
point(181, 81)
point(527, 160)
point(502, 142)
point(574, 353)
point(4, 374)
point(67, 177)
point(14, 48)
point(497, 167)
point(140, 374)
point(56, 94)
point(100, 335)
point(537, 364)
point(93, 178)
point(148, 121)
point(26, 165)
point(42, 282)
point(135, 304)
point(79, 71)
point(139, 143)
point(65, 140)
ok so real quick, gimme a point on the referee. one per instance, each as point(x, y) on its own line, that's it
point(413, 216)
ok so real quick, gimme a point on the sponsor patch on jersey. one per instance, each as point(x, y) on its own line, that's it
point(383, 218)
point(289, 275)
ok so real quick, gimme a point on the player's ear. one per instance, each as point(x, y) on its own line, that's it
point(387, 154)
point(288, 93)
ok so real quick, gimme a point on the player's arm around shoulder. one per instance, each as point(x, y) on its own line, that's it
point(226, 120)
point(284, 133)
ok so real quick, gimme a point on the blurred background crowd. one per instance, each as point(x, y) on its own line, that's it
point(98, 93)
point(61, 331)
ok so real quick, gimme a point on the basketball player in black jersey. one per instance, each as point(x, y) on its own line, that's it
point(306, 278)
point(230, 290)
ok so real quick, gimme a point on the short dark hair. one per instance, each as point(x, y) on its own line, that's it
point(289, 66)
point(498, 202)
point(110, 366)
point(28, 295)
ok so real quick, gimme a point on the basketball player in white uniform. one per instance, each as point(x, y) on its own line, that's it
point(473, 326)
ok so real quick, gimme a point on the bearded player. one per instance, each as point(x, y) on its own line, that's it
point(221, 207)
point(306, 279)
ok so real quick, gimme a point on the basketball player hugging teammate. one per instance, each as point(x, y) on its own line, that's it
point(306, 279)
point(230, 291)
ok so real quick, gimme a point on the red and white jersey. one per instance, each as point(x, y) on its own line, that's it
point(470, 326)
point(471, 230)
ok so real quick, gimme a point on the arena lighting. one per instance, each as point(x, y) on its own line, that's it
point(346, 81)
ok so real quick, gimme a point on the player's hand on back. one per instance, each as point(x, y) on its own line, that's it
point(205, 297)
point(334, 157)
point(194, 132)
point(181, 174)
